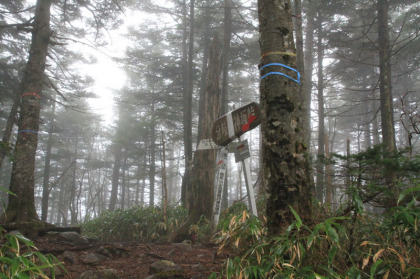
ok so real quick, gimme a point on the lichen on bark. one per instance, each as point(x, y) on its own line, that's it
point(285, 158)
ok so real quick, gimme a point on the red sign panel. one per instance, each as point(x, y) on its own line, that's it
point(236, 123)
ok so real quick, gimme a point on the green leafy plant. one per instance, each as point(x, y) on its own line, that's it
point(138, 223)
point(382, 248)
point(19, 259)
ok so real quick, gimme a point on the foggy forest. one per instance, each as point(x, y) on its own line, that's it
point(285, 135)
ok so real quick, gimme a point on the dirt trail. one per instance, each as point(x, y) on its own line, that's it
point(131, 260)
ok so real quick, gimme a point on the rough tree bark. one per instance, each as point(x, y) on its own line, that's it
point(21, 206)
point(285, 154)
point(201, 196)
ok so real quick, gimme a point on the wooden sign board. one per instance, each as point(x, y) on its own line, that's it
point(236, 123)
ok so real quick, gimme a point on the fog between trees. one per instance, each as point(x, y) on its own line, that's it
point(359, 88)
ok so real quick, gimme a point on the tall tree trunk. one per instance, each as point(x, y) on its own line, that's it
point(385, 87)
point(320, 174)
point(227, 31)
point(227, 35)
point(308, 71)
point(206, 50)
point(201, 198)
point(285, 154)
point(21, 206)
point(205, 160)
point(187, 98)
point(46, 182)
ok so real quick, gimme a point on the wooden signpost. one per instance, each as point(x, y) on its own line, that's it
point(235, 123)
point(219, 183)
point(225, 130)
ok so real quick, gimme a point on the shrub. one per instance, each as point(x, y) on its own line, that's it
point(138, 223)
point(387, 248)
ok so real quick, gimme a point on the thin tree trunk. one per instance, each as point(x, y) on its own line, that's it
point(328, 174)
point(320, 175)
point(115, 177)
point(123, 180)
point(172, 174)
point(308, 65)
point(46, 182)
point(73, 206)
point(164, 185)
point(187, 98)
point(4, 144)
point(225, 81)
point(152, 164)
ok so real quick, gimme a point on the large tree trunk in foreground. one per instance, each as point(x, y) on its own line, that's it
point(285, 155)
point(21, 207)
point(201, 196)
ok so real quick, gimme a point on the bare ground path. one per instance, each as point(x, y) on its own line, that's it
point(131, 259)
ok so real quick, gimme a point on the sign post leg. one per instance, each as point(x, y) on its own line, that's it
point(249, 188)
point(219, 184)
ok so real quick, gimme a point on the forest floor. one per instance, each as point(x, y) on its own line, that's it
point(132, 259)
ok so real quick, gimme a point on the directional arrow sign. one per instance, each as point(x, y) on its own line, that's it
point(236, 123)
